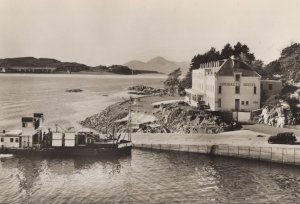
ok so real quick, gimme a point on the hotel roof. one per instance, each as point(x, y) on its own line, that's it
point(229, 67)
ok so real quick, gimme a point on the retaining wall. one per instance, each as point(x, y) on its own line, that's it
point(273, 154)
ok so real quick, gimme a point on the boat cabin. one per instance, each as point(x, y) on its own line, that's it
point(34, 135)
point(32, 130)
point(10, 139)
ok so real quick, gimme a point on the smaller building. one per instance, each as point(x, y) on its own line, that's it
point(271, 87)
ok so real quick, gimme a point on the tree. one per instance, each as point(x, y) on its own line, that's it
point(243, 52)
point(172, 82)
point(227, 51)
point(258, 66)
point(240, 51)
point(186, 82)
point(211, 55)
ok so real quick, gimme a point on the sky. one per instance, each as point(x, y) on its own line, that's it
point(106, 32)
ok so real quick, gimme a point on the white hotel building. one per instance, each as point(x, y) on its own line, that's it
point(227, 85)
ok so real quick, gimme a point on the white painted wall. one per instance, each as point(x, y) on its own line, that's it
point(242, 116)
point(205, 80)
point(69, 139)
point(228, 95)
point(7, 141)
point(56, 139)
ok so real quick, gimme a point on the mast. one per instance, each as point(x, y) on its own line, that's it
point(129, 122)
point(130, 106)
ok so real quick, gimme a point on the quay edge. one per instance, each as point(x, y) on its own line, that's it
point(237, 144)
point(270, 154)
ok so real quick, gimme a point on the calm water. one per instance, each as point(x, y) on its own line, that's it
point(145, 177)
point(21, 95)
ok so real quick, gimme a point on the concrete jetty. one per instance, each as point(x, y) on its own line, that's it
point(241, 144)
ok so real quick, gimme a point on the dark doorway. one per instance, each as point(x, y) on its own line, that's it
point(81, 139)
point(35, 139)
point(237, 104)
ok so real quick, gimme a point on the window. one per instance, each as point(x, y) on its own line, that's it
point(11, 139)
point(237, 90)
point(2, 139)
point(247, 103)
point(194, 97)
point(270, 86)
point(237, 77)
point(219, 103)
point(254, 89)
point(17, 140)
point(220, 89)
point(24, 124)
point(243, 103)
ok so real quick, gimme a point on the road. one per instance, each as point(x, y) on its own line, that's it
point(270, 130)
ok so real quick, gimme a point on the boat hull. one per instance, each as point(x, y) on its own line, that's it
point(69, 151)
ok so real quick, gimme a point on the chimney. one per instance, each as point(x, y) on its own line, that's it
point(235, 61)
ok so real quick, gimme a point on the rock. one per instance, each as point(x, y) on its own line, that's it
point(74, 90)
point(146, 90)
point(172, 118)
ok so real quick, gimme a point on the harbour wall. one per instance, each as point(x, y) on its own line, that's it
point(287, 154)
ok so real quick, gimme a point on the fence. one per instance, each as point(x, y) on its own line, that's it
point(274, 154)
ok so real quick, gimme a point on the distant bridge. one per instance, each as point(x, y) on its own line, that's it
point(27, 69)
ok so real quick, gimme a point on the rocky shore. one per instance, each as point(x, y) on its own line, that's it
point(175, 117)
point(103, 122)
point(146, 90)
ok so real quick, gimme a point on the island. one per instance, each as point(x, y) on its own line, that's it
point(53, 66)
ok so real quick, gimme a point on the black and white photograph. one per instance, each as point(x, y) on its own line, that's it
point(149, 101)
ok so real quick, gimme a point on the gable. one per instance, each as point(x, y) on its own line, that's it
point(231, 66)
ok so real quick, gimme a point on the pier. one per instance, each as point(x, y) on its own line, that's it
point(243, 144)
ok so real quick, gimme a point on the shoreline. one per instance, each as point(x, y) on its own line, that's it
point(249, 143)
point(80, 73)
point(110, 75)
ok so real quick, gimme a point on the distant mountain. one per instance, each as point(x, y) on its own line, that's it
point(43, 63)
point(120, 69)
point(158, 64)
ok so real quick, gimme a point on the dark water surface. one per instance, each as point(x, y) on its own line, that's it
point(147, 177)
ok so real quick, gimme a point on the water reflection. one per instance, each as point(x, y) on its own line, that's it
point(28, 176)
point(156, 177)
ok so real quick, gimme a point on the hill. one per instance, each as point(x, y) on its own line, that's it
point(158, 64)
point(120, 69)
point(288, 64)
point(43, 63)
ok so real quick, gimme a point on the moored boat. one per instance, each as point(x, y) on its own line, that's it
point(35, 140)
